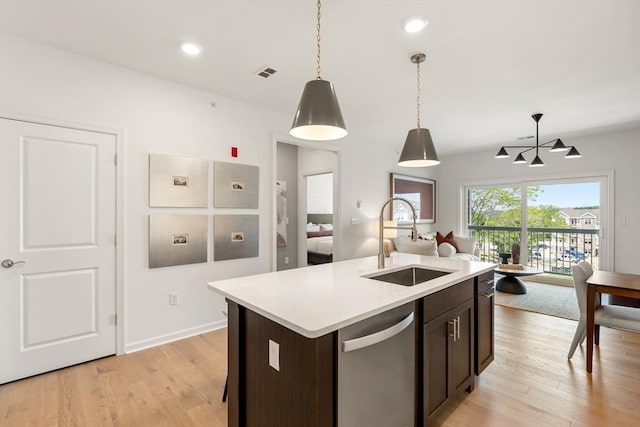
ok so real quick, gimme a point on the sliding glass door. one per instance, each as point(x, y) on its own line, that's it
point(549, 225)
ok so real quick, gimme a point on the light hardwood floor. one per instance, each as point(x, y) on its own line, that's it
point(530, 383)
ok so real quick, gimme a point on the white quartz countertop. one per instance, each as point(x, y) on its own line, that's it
point(320, 299)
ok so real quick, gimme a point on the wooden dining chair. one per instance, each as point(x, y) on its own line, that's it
point(611, 316)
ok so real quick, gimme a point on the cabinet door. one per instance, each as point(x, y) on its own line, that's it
point(484, 307)
point(462, 348)
point(437, 334)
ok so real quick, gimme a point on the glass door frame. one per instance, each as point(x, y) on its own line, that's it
point(606, 233)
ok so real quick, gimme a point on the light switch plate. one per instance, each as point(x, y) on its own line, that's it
point(274, 355)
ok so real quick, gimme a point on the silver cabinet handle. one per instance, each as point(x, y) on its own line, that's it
point(458, 327)
point(488, 295)
point(375, 338)
point(8, 263)
point(488, 281)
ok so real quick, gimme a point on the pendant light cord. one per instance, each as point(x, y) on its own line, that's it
point(537, 146)
point(418, 95)
point(318, 45)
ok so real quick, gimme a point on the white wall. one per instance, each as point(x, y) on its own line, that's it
point(161, 117)
point(614, 151)
point(366, 173)
point(164, 117)
point(287, 166)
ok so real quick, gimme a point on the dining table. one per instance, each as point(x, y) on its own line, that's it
point(612, 283)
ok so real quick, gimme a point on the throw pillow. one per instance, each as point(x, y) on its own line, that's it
point(466, 245)
point(446, 249)
point(446, 239)
point(420, 247)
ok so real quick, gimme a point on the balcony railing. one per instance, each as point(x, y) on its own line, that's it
point(552, 250)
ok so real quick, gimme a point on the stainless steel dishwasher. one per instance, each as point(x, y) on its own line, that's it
point(376, 370)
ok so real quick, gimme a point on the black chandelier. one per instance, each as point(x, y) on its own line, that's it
point(558, 145)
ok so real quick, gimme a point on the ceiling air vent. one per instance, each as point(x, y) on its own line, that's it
point(267, 72)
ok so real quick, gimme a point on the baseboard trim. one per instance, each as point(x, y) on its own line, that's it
point(174, 336)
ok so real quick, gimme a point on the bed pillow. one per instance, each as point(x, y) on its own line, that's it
point(319, 233)
point(313, 227)
point(420, 247)
point(326, 227)
point(446, 249)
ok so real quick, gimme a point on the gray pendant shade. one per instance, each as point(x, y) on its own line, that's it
point(519, 159)
point(418, 150)
point(537, 162)
point(559, 146)
point(318, 116)
point(502, 153)
point(573, 153)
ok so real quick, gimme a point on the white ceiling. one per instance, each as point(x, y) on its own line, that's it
point(490, 64)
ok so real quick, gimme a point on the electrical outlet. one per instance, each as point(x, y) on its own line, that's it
point(173, 298)
point(286, 260)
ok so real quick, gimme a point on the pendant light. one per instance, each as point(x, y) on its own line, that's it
point(318, 117)
point(418, 150)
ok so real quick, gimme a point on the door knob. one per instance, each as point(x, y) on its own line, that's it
point(8, 263)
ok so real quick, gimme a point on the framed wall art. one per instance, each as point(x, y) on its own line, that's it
point(281, 214)
point(235, 236)
point(177, 240)
point(178, 181)
point(235, 185)
point(421, 192)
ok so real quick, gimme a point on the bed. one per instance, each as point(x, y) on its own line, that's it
point(319, 238)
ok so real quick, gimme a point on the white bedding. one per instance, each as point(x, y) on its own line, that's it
point(321, 245)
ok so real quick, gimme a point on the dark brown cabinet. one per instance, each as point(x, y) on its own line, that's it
point(453, 337)
point(484, 315)
point(448, 343)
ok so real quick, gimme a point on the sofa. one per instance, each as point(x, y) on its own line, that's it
point(459, 247)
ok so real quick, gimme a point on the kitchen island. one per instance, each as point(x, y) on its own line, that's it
point(284, 335)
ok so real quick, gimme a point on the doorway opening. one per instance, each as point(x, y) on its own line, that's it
point(318, 210)
point(307, 179)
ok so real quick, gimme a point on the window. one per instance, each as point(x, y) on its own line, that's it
point(544, 218)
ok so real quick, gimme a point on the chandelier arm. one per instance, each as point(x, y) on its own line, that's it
point(528, 149)
point(549, 142)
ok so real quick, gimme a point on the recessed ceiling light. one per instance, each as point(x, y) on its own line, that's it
point(415, 24)
point(191, 49)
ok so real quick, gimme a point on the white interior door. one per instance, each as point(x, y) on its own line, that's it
point(57, 214)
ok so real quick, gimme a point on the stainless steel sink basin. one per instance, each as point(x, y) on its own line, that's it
point(409, 276)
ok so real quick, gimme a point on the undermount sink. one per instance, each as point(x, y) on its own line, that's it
point(409, 276)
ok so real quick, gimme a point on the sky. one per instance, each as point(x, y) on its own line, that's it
point(569, 195)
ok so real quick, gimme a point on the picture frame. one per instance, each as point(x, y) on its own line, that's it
point(235, 185)
point(421, 192)
point(178, 182)
point(235, 236)
point(177, 240)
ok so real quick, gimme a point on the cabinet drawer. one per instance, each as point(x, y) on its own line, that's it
point(484, 282)
point(446, 299)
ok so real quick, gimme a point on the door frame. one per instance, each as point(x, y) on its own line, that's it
point(605, 177)
point(337, 190)
point(303, 211)
point(120, 202)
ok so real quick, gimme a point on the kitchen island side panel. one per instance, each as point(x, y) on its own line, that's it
point(301, 391)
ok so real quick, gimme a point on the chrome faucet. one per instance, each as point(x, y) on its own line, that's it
point(382, 227)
